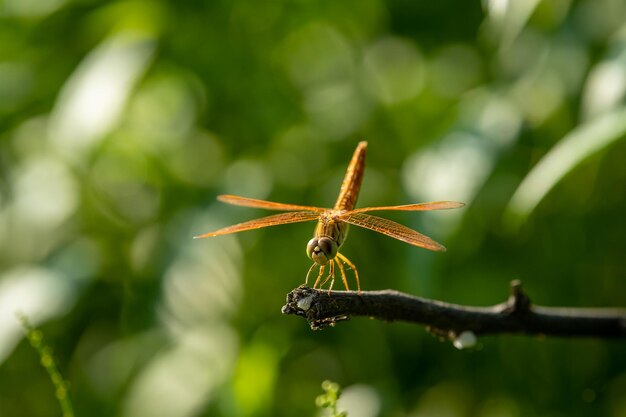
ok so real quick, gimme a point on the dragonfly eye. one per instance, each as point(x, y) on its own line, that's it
point(310, 247)
point(321, 250)
point(328, 246)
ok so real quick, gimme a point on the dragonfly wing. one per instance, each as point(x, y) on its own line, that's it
point(392, 229)
point(275, 220)
point(435, 205)
point(269, 205)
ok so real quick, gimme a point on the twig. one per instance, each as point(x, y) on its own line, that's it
point(322, 308)
point(61, 386)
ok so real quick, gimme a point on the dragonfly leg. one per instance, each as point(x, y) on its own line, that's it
point(319, 276)
point(330, 275)
point(306, 280)
point(351, 265)
point(343, 275)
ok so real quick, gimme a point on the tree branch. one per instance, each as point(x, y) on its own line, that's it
point(322, 308)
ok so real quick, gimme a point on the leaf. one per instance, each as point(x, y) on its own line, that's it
point(578, 145)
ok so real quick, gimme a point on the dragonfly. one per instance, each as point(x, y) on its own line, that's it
point(332, 223)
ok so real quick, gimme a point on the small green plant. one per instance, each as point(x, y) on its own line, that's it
point(328, 400)
point(35, 337)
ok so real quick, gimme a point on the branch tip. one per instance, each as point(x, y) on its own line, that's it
point(518, 301)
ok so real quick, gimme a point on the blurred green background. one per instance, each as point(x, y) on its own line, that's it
point(121, 121)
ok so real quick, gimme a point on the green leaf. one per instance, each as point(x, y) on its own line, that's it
point(578, 145)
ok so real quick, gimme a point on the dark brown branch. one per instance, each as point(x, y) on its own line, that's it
point(516, 315)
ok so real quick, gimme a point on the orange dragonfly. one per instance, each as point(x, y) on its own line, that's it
point(332, 224)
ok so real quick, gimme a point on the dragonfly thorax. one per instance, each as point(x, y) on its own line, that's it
point(321, 249)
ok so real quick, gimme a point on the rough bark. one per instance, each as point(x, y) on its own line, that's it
point(322, 308)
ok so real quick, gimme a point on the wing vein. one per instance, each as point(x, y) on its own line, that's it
point(236, 200)
point(392, 229)
point(434, 205)
point(274, 220)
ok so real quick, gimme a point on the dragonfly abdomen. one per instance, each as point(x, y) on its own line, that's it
point(352, 180)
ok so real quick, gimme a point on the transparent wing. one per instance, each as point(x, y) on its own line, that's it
point(392, 229)
point(236, 200)
point(435, 205)
point(274, 220)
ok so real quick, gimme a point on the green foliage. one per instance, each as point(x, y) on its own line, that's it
point(120, 122)
point(61, 389)
point(328, 400)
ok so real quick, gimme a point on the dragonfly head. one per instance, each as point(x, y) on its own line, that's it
point(321, 249)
